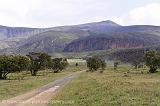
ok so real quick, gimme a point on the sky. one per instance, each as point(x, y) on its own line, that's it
point(50, 13)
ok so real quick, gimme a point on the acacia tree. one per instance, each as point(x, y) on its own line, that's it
point(35, 67)
point(116, 63)
point(102, 64)
point(23, 62)
point(45, 61)
point(59, 64)
point(34, 63)
point(10, 64)
point(152, 60)
point(95, 63)
point(39, 61)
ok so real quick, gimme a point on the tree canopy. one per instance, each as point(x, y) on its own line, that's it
point(95, 63)
point(152, 60)
point(9, 64)
point(59, 64)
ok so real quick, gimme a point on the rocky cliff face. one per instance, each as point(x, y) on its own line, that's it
point(112, 41)
point(102, 44)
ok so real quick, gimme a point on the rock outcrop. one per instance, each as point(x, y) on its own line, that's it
point(112, 41)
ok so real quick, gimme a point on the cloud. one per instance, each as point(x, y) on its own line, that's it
point(147, 15)
point(48, 13)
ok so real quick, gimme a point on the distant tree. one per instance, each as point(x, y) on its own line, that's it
point(116, 63)
point(76, 64)
point(102, 64)
point(152, 60)
point(59, 64)
point(95, 63)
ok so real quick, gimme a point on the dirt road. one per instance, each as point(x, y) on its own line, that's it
point(42, 95)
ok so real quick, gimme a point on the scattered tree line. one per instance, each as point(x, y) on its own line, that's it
point(151, 58)
point(32, 62)
point(127, 55)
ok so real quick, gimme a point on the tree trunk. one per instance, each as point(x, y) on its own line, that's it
point(1, 77)
point(56, 71)
point(152, 70)
point(33, 72)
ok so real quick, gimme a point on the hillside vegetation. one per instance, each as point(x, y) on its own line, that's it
point(49, 42)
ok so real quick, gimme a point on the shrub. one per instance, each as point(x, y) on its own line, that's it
point(10, 64)
point(95, 63)
point(76, 64)
point(116, 63)
point(39, 61)
point(152, 60)
point(59, 64)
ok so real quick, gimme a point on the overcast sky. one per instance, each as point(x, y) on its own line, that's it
point(49, 13)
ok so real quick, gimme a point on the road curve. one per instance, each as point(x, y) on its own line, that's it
point(40, 96)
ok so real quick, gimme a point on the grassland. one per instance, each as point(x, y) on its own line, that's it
point(125, 86)
point(19, 83)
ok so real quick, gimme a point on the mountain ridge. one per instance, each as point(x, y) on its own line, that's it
point(23, 40)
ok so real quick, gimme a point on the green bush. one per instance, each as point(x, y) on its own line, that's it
point(152, 60)
point(39, 61)
point(10, 64)
point(95, 63)
point(116, 63)
point(59, 64)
